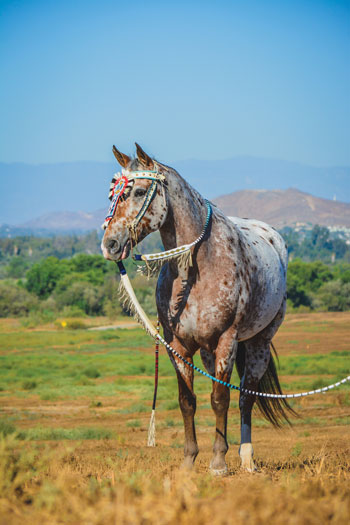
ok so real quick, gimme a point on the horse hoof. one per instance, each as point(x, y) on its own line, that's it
point(187, 464)
point(219, 471)
point(246, 455)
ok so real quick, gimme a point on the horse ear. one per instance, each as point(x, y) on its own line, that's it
point(121, 158)
point(143, 157)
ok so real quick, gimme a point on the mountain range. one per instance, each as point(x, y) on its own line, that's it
point(285, 208)
point(279, 208)
point(30, 191)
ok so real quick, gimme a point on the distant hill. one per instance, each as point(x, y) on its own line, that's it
point(67, 220)
point(28, 191)
point(277, 207)
point(285, 208)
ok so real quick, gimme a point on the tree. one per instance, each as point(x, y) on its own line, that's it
point(43, 277)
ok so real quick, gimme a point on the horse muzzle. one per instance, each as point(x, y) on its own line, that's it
point(113, 250)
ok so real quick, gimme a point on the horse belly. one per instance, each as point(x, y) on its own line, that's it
point(267, 290)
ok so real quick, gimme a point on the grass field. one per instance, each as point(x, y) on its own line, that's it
point(74, 414)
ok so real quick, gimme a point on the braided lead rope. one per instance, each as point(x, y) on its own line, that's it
point(180, 249)
point(245, 390)
point(146, 324)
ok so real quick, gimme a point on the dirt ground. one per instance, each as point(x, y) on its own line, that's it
point(303, 474)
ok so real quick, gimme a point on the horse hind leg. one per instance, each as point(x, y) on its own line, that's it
point(256, 356)
point(256, 368)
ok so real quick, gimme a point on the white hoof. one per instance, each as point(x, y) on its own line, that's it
point(246, 454)
point(219, 471)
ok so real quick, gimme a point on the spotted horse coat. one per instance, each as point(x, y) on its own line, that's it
point(228, 304)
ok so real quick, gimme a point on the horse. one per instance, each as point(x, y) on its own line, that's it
point(228, 304)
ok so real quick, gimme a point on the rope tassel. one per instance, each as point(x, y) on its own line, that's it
point(151, 441)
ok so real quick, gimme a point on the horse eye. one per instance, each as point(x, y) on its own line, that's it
point(140, 192)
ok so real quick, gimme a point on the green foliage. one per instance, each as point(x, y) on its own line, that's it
point(17, 267)
point(6, 428)
point(42, 278)
point(87, 284)
point(15, 301)
point(318, 286)
point(335, 296)
point(316, 244)
point(54, 434)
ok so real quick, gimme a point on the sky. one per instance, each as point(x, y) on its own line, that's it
point(195, 79)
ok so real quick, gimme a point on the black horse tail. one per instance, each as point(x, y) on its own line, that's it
point(275, 410)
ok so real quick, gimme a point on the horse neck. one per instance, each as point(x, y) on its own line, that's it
point(186, 213)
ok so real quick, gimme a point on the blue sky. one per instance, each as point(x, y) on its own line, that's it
point(207, 80)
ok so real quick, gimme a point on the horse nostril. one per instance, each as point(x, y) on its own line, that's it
point(112, 246)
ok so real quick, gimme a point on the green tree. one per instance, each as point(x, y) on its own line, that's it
point(17, 267)
point(43, 277)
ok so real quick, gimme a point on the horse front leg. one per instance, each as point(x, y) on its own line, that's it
point(220, 400)
point(187, 401)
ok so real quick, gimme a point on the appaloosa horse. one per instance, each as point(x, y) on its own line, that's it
point(228, 304)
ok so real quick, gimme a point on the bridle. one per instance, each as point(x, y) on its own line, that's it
point(118, 187)
point(120, 182)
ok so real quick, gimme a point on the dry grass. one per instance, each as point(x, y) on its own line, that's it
point(107, 484)
point(303, 475)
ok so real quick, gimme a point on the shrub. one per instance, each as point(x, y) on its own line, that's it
point(76, 324)
point(335, 296)
point(15, 300)
point(29, 385)
point(83, 295)
point(92, 373)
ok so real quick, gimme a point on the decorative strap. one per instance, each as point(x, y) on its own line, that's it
point(182, 254)
point(149, 196)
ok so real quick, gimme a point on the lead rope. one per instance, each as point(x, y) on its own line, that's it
point(141, 317)
point(151, 442)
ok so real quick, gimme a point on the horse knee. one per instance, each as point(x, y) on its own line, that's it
point(188, 404)
point(220, 401)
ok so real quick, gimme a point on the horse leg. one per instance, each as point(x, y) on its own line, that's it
point(187, 401)
point(256, 362)
point(257, 358)
point(220, 400)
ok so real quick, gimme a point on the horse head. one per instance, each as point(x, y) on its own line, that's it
point(138, 204)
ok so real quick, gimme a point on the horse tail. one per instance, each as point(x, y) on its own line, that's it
point(275, 410)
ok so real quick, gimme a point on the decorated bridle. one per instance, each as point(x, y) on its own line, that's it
point(119, 186)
